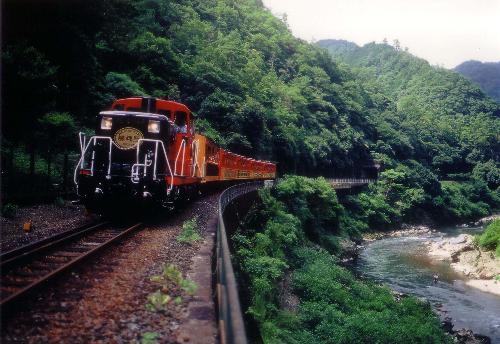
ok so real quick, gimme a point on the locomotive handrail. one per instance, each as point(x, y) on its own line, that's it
point(84, 149)
point(183, 148)
point(230, 316)
point(157, 143)
point(84, 146)
point(194, 148)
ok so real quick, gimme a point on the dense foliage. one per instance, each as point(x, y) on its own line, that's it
point(435, 133)
point(253, 87)
point(259, 91)
point(429, 114)
point(490, 239)
point(485, 74)
point(279, 258)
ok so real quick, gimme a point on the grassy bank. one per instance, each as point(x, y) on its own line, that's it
point(296, 290)
point(490, 239)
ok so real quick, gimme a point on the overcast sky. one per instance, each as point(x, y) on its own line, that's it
point(444, 32)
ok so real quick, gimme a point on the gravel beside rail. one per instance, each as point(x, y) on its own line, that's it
point(104, 301)
point(47, 220)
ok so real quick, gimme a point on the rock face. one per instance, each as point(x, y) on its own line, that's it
point(406, 230)
point(465, 336)
point(461, 239)
point(487, 220)
point(465, 257)
point(461, 336)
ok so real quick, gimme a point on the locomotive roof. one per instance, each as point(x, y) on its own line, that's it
point(134, 113)
point(151, 104)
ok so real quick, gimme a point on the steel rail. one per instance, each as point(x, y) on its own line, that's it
point(27, 250)
point(24, 290)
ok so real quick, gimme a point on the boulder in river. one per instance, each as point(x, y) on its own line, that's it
point(465, 336)
point(462, 238)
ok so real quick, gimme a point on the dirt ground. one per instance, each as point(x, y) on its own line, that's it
point(105, 300)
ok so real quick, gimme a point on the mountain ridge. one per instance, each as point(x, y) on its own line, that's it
point(484, 74)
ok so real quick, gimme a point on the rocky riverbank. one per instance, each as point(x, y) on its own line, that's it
point(414, 243)
point(406, 230)
point(486, 220)
point(482, 267)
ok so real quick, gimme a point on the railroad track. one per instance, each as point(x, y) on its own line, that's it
point(28, 267)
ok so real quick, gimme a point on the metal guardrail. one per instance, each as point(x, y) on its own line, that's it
point(230, 316)
point(351, 180)
point(347, 183)
point(231, 324)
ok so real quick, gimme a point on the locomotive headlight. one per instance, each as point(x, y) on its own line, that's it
point(106, 123)
point(154, 126)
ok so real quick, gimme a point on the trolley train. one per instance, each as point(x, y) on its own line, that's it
point(147, 150)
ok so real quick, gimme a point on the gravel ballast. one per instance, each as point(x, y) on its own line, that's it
point(46, 219)
point(104, 301)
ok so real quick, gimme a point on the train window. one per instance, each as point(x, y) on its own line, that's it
point(181, 121)
point(180, 118)
point(119, 107)
point(136, 109)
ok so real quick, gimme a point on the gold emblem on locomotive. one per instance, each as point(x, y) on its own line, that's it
point(127, 138)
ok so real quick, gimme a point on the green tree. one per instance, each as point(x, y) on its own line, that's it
point(28, 84)
point(57, 133)
point(489, 172)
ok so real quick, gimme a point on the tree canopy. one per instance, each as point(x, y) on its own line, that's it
point(253, 87)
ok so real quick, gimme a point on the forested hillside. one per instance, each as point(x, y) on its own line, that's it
point(259, 91)
point(253, 87)
point(338, 46)
point(435, 132)
point(485, 74)
point(294, 287)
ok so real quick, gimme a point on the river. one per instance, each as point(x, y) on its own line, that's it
point(403, 264)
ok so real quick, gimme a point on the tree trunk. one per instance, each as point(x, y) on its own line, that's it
point(65, 171)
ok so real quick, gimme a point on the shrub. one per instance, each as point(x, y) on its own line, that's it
point(313, 201)
point(59, 202)
point(334, 306)
point(157, 301)
point(10, 210)
point(490, 239)
point(171, 281)
point(149, 338)
point(463, 201)
point(337, 308)
point(189, 233)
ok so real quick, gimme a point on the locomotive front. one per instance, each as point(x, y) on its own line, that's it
point(126, 162)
